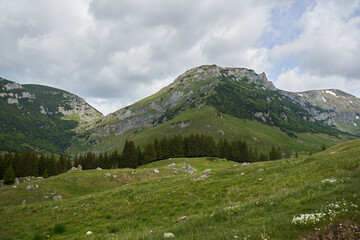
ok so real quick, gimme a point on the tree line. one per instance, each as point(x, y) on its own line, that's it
point(195, 145)
point(31, 164)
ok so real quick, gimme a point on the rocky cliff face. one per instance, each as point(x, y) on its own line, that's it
point(40, 117)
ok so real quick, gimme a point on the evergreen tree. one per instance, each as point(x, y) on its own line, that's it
point(287, 154)
point(9, 177)
point(140, 156)
point(263, 157)
point(45, 174)
point(129, 155)
point(42, 165)
point(323, 147)
point(164, 143)
point(149, 152)
point(296, 155)
point(157, 146)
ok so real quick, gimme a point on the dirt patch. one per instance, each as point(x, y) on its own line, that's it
point(345, 231)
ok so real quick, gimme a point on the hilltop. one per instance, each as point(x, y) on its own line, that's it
point(40, 118)
point(249, 201)
point(229, 103)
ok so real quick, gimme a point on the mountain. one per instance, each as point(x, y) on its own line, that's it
point(230, 103)
point(39, 117)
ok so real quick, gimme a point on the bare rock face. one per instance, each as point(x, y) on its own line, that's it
point(12, 86)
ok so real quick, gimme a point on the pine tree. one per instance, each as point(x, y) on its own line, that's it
point(157, 146)
point(296, 155)
point(140, 156)
point(9, 177)
point(263, 157)
point(323, 147)
point(45, 174)
point(129, 155)
point(149, 152)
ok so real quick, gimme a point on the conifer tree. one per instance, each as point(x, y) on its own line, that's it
point(323, 147)
point(149, 152)
point(45, 174)
point(9, 177)
point(129, 155)
point(140, 156)
point(157, 146)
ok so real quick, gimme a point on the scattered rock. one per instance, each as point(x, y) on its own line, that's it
point(14, 186)
point(156, 170)
point(40, 177)
point(115, 176)
point(56, 207)
point(57, 198)
point(79, 167)
point(89, 232)
point(23, 202)
point(16, 182)
point(36, 186)
point(245, 164)
point(175, 170)
point(107, 175)
point(73, 169)
point(28, 188)
point(99, 169)
point(221, 132)
point(202, 177)
point(207, 170)
point(169, 235)
point(172, 165)
point(183, 218)
point(189, 169)
point(2, 184)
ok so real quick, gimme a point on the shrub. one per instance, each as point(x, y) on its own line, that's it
point(9, 177)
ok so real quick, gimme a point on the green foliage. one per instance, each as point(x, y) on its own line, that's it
point(9, 177)
point(239, 99)
point(59, 228)
point(129, 155)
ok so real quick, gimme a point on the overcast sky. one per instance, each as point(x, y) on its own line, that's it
point(113, 53)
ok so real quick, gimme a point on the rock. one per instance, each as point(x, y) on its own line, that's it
point(175, 170)
point(156, 170)
point(244, 164)
point(73, 169)
point(16, 182)
point(169, 235)
point(89, 232)
point(202, 177)
point(2, 184)
point(115, 176)
point(99, 169)
point(183, 218)
point(40, 177)
point(189, 169)
point(28, 188)
point(14, 186)
point(79, 167)
point(172, 165)
point(207, 170)
point(221, 132)
point(23, 202)
point(107, 175)
point(36, 186)
point(57, 198)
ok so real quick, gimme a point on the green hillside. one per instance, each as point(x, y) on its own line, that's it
point(35, 117)
point(263, 200)
point(208, 120)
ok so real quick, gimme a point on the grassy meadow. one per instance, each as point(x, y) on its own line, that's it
point(263, 200)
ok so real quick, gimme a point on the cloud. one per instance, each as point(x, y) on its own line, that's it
point(295, 80)
point(113, 53)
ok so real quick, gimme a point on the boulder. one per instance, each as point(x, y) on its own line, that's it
point(183, 218)
point(36, 186)
point(99, 169)
point(16, 182)
point(172, 165)
point(23, 202)
point(169, 235)
point(29, 188)
point(156, 170)
point(79, 167)
point(107, 175)
point(2, 184)
point(207, 170)
point(89, 232)
point(189, 169)
point(73, 169)
point(57, 198)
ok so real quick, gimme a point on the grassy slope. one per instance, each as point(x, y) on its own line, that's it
point(140, 204)
point(205, 121)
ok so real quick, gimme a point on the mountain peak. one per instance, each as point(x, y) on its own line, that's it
point(217, 72)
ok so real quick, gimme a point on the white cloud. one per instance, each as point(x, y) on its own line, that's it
point(295, 80)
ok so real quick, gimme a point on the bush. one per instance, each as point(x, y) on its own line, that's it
point(9, 177)
point(59, 228)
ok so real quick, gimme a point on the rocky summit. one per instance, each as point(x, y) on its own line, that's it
point(201, 100)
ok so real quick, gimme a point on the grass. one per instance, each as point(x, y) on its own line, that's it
point(205, 121)
point(235, 200)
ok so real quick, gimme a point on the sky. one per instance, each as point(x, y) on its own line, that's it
point(114, 53)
